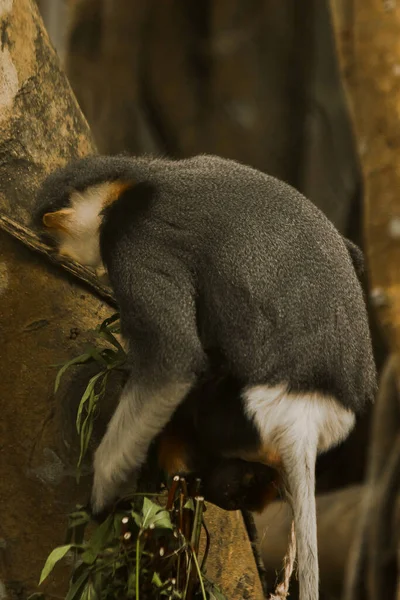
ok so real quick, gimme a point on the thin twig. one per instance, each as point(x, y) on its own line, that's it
point(251, 530)
point(172, 493)
point(198, 519)
point(196, 562)
point(207, 548)
point(32, 241)
point(282, 589)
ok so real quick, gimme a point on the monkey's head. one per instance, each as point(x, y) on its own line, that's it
point(73, 200)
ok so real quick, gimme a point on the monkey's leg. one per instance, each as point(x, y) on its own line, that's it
point(293, 428)
point(142, 412)
point(297, 457)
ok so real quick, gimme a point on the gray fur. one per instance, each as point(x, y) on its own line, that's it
point(232, 259)
point(211, 256)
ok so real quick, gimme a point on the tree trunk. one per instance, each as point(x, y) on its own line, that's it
point(368, 40)
point(367, 34)
point(46, 316)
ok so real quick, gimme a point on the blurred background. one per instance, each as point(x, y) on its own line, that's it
point(305, 91)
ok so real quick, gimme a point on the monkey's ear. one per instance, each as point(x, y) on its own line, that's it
point(57, 220)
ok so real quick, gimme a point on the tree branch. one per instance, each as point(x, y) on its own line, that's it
point(32, 241)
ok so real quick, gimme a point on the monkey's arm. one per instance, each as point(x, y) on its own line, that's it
point(158, 319)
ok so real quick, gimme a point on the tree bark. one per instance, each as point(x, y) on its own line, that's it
point(367, 33)
point(368, 40)
point(46, 318)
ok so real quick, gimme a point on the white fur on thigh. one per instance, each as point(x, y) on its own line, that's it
point(280, 414)
point(297, 426)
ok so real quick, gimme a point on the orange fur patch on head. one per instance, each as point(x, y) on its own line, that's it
point(57, 220)
point(115, 189)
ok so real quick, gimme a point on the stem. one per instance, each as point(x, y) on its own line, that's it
point(188, 578)
point(198, 519)
point(203, 591)
point(207, 549)
point(172, 492)
point(137, 565)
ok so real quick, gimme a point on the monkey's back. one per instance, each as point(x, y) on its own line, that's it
point(275, 289)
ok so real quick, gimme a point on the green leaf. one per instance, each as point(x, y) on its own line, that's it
point(149, 510)
point(86, 396)
point(97, 355)
point(137, 518)
point(53, 558)
point(79, 517)
point(189, 504)
point(83, 358)
point(109, 321)
point(153, 514)
point(163, 519)
point(106, 329)
point(76, 586)
point(111, 357)
point(86, 434)
point(108, 336)
point(103, 535)
point(89, 593)
point(156, 580)
point(90, 402)
point(89, 556)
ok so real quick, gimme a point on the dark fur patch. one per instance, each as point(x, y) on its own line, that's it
point(235, 484)
point(213, 413)
point(124, 213)
point(357, 257)
point(78, 176)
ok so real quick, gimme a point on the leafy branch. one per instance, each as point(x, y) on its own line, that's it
point(139, 553)
point(148, 550)
point(109, 358)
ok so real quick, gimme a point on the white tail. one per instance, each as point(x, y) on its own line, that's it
point(299, 473)
point(295, 427)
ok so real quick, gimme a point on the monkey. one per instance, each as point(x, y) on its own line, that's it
point(211, 257)
point(199, 442)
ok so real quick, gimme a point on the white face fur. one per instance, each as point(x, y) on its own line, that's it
point(76, 228)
